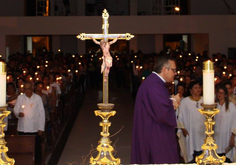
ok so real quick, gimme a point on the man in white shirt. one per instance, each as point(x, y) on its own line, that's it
point(31, 116)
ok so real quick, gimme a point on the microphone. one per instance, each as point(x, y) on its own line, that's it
point(176, 82)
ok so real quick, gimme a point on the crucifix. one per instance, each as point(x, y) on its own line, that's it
point(105, 150)
point(105, 46)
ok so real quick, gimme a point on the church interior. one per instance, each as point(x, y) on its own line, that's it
point(40, 45)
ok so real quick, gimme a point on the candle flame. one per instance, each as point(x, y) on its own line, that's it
point(23, 106)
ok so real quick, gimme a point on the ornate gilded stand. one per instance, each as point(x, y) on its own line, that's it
point(209, 155)
point(4, 159)
point(105, 150)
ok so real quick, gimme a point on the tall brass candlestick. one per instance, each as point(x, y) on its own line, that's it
point(209, 155)
point(104, 148)
point(4, 159)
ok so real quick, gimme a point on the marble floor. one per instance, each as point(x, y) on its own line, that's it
point(84, 131)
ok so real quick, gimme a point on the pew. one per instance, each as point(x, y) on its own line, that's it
point(21, 148)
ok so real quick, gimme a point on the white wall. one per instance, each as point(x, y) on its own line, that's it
point(221, 29)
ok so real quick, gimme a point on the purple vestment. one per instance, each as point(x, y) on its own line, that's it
point(154, 140)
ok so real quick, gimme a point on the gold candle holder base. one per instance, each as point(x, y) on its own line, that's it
point(4, 159)
point(104, 148)
point(209, 155)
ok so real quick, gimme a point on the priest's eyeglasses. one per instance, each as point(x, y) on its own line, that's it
point(173, 69)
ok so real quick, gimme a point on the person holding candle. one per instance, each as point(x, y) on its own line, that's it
point(154, 139)
point(225, 125)
point(191, 123)
point(30, 112)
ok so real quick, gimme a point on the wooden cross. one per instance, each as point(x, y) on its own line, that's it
point(105, 36)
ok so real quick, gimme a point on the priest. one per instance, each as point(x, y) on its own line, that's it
point(154, 140)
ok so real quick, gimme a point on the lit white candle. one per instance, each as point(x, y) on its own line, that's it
point(208, 83)
point(22, 108)
point(3, 82)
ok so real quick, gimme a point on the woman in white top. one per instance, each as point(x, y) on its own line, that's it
point(225, 125)
point(191, 123)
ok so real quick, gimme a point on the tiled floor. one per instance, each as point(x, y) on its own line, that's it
point(85, 133)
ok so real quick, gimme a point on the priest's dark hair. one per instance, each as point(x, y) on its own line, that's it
point(161, 62)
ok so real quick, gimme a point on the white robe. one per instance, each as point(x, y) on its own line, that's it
point(225, 124)
point(193, 121)
point(34, 114)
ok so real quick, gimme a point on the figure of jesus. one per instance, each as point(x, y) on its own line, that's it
point(107, 59)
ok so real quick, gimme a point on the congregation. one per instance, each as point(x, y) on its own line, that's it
point(59, 78)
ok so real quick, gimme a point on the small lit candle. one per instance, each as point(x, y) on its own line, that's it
point(73, 56)
point(46, 65)
point(7, 77)
point(47, 87)
point(36, 73)
point(225, 67)
point(196, 59)
point(189, 54)
point(24, 72)
point(131, 62)
point(143, 78)
point(181, 79)
point(141, 67)
point(137, 67)
point(100, 58)
point(76, 71)
point(116, 56)
point(230, 75)
point(91, 55)
point(223, 73)
point(173, 82)
point(46, 62)
point(22, 108)
point(215, 79)
point(79, 63)
point(178, 72)
point(21, 93)
point(81, 56)
point(180, 56)
point(68, 70)
point(22, 86)
point(208, 83)
point(37, 79)
point(118, 59)
point(59, 50)
point(30, 78)
point(135, 56)
point(216, 59)
point(38, 67)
